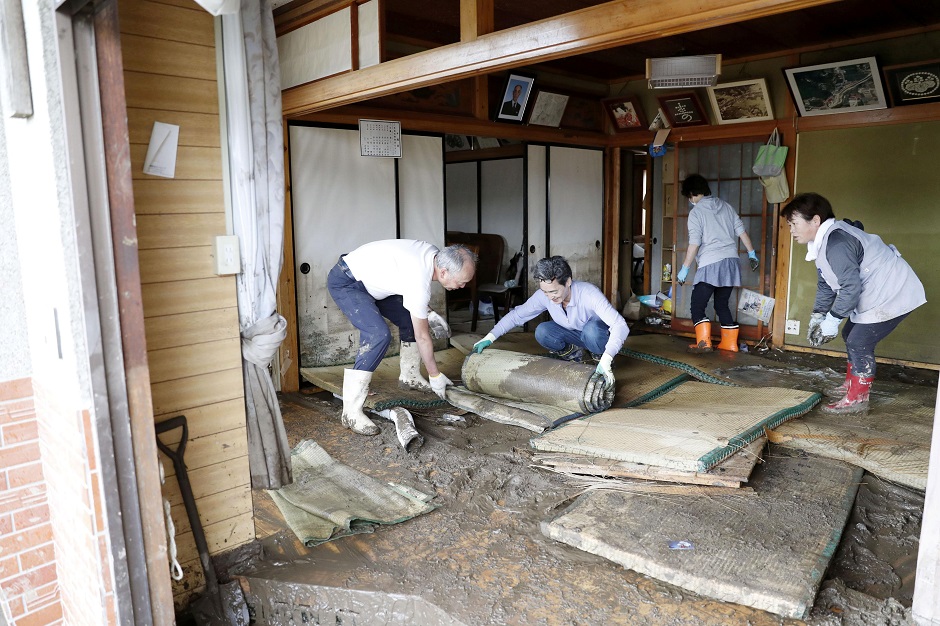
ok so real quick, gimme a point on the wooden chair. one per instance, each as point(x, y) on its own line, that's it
point(489, 248)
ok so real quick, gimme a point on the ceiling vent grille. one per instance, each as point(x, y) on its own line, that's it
point(693, 71)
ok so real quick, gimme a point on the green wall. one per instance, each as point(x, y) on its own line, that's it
point(889, 178)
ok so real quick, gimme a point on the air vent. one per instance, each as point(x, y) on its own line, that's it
point(692, 71)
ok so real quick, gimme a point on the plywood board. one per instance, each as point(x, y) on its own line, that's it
point(216, 507)
point(208, 450)
point(220, 536)
point(179, 231)
point(802, 504)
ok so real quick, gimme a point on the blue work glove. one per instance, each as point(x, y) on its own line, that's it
point(814, 329)
point(439, 385)
point(483, 344)
point(829, 328)
point(752, 257)
point(603, 370)
point(683, 274)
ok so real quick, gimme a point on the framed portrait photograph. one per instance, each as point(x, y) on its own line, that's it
point(741, 101)
point(913, 83)
point(625, 113)
point(683, 109)
point(840, 87)
point(516, 95)
point(548, 108)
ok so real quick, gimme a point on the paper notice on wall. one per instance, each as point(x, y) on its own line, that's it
point(754, 304)
point(161, 153)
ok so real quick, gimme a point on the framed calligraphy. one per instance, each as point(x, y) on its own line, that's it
point(683, 109)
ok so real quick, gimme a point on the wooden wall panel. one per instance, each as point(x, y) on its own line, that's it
point(193, 359)
point(171, 331)
point(191, 315)
point(180, 230)
point(196, 129)
point(168, 58)
point(208, 419)
point(192, 163)
point(186, 296)
point(174, 264)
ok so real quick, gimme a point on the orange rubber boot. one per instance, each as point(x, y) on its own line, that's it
point(703, 337)
point(729, 339)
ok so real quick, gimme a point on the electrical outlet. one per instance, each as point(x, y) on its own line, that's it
point(227, 256)
point(793, 327)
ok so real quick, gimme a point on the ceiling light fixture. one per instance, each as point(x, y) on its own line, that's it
point(691, 71)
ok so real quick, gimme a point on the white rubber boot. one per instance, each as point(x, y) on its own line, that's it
point(405, 427)
point(410, 359)
point(355, 389)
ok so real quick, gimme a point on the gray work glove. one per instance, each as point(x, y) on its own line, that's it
point(829, 329)
point(439, 385)
point(814, 330)
point(438, 325)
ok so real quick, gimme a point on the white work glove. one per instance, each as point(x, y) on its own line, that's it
point(484, 343)
point(604, 370)
point(439, 385)
point(438, 325)
point(829, 328)
point(814, 329)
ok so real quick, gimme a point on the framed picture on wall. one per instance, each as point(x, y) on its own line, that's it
point(625, 113)
point(548, 108)
point(840, 87)
point(741, 101)
point(516, 95)
point(913, 83)
point(684, 109)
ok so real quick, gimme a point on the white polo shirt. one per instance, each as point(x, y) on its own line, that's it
point(396, 267)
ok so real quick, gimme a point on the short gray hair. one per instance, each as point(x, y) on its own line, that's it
point(453, 257)
point(552, 268)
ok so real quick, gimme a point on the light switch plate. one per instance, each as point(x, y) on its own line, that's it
point(793, 327)
point(227, 256)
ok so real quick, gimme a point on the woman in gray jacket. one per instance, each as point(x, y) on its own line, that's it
point(861, 278)
point(714, 230)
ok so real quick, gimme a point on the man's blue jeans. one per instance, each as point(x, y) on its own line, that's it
point(366, 313)
point(593, 336)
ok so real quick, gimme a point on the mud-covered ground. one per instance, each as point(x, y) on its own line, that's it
point(482, 558)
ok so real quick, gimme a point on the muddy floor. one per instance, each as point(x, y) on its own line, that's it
point(482, 558)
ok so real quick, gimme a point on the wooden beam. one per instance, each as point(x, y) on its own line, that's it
point(607, 25)
point(431, 122)
point(308, 12)
point(512, 151)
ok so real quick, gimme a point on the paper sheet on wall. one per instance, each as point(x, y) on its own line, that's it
point(161, 153)
point(753, 303)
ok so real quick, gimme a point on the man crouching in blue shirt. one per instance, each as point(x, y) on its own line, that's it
point(582, 318)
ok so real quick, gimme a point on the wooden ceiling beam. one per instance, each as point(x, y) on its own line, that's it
point(607, 25)
point(476, 20)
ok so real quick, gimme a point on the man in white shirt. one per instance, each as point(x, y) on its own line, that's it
point(391, 279)
point(582, 318)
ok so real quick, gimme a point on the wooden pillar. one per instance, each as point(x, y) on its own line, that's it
point(926, 608)
point(611, 247)
point(476, 18)
point(288, 357)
